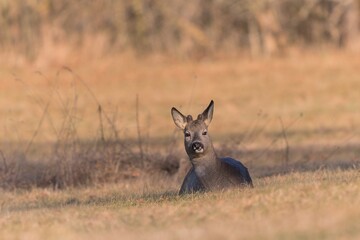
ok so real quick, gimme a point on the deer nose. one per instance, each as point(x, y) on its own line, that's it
point(197, 146)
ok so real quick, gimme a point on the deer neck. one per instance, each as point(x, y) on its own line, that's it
point(207, 168)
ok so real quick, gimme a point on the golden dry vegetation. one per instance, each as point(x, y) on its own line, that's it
point(88, 149)
point(318, 91)
point(311, 193)
point(312, 205)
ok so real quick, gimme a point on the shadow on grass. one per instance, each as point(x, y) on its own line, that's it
point(261, 163)
point(112, 200)
point(267, 163)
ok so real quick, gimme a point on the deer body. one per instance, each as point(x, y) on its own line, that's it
point(208, 171)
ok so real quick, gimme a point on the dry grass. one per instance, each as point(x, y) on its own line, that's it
point(311, 100)
point(318, 205)
point(246, 92)
point(256, 103)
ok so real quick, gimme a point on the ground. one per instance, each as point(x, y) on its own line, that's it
point(292, 120)
point(312, 205)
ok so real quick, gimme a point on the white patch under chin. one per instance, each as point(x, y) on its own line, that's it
point(199, 150)
point(200, 171)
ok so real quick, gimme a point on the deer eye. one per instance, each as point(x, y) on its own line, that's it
point(204, 132)
point(187, 134)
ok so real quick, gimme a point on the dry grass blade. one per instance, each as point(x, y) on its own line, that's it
point(287, 147)
point(4, 161)
point(140, 141)
point(45, 112)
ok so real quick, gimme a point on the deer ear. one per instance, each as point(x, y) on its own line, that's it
point(179, 119)
point(207, 115)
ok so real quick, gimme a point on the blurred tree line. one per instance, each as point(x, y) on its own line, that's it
point(184, 28)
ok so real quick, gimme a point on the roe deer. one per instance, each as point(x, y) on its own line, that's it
point(208, 171)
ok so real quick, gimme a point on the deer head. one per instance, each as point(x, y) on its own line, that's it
point(196, 137)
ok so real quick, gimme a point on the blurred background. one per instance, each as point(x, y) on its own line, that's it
point(86, 87)
point(50, 32)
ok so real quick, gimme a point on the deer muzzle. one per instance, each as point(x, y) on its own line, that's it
point(197, 147)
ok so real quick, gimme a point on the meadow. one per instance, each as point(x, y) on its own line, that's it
point(293, 120)
point(311, 205)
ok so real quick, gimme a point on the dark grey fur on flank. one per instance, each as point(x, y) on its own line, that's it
point(208, 172)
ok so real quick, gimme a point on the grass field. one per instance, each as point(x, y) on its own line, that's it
point(294, 121)
point(318, 87)
point(312, 205)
